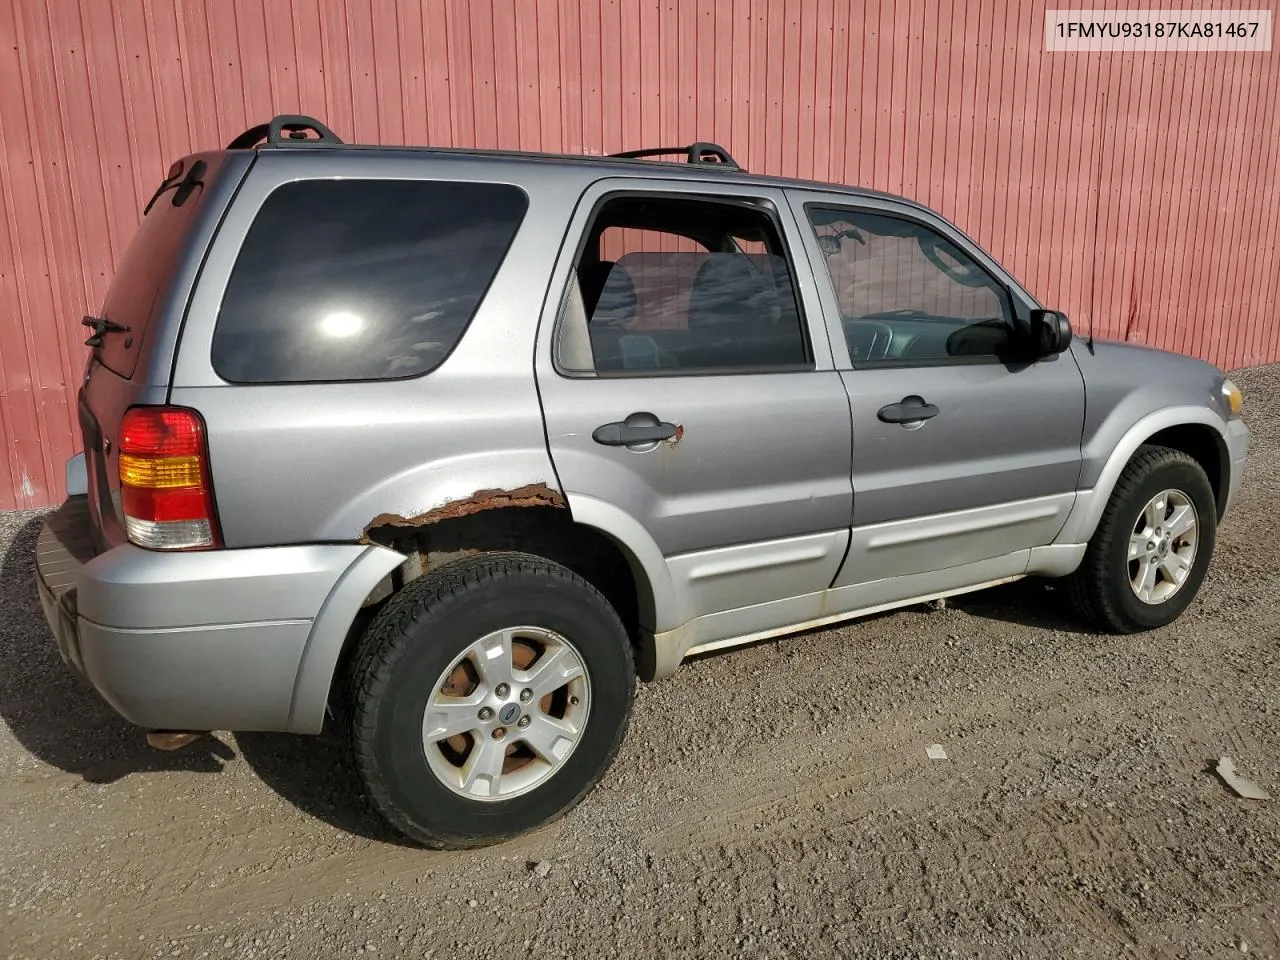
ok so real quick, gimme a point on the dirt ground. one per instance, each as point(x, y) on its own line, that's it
point(774, 801)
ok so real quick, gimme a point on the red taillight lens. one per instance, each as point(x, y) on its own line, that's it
point(162, 432)
point(164, 479)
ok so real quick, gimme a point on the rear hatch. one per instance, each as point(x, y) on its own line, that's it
point(134, 337)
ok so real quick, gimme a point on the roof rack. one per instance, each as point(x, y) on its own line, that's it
point(296, 130)
point(286, 130)
point(710, 154)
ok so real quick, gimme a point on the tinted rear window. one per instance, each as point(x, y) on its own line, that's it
point(146, 270)
point(361, 279)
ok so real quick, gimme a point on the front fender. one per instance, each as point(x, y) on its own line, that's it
point(1090, 502)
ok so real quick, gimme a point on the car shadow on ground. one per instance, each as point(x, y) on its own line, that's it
point(1032, 602)
point(318, 776)
point(61, 721)
point(50, 710)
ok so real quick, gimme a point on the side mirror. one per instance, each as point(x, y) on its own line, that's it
point(1050, 332)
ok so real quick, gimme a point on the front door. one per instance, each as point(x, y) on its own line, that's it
point(960, 455)
point(690, 409)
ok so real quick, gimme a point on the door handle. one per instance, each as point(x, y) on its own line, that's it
point(912, 409)
point(637, 428)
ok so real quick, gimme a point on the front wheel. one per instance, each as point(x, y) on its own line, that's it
point(487, 698)
point(1150, 553)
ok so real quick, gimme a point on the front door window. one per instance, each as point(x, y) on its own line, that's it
point(907, 295)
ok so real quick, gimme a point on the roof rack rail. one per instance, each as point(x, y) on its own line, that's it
point(710, 154)
point(286, 130)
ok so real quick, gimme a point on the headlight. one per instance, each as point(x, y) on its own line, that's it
point(1232, 400)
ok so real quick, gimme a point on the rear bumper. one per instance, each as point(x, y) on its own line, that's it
point(213, 640)
point(62, 549)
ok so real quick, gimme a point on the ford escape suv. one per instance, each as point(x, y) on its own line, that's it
point(451, 446)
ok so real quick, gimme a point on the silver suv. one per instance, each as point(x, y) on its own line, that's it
point(454, 445)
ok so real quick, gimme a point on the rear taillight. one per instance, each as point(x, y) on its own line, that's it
point(164, 480)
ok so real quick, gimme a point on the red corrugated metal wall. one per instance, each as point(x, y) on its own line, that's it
point(951, 102)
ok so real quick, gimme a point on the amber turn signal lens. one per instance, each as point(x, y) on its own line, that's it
point(1232, 398)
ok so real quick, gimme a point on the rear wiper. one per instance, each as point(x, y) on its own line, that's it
point(101, 326)
point(184, 186)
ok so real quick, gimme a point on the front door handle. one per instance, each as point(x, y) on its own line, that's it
point(637, 428)
point(912, 409)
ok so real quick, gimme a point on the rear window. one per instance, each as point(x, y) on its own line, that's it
point(361, 279)
point(146, 270)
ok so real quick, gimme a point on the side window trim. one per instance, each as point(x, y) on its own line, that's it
point(771, 202)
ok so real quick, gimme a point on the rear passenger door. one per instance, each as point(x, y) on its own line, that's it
point(689, 395)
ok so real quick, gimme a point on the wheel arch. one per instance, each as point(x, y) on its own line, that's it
point(594, 540)
point(1207, 447)
point(331, 632)
point(1195, 430)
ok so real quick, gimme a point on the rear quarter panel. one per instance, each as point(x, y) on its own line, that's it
point(106, 395)
point(296, 463)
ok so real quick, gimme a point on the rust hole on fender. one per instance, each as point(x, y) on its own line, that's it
point(530, 495)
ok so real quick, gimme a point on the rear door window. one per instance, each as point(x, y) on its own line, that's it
point(361, 279)
point(683, 284)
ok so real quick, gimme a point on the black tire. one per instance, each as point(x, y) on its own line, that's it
point(415, 638)
point(1100, 589)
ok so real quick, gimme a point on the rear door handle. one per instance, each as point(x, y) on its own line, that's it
point(637, 428)
point(912, 409)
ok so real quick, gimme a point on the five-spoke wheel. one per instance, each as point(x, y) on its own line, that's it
point(1162, 547)
point(507, 713)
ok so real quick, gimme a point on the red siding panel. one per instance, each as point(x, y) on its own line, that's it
point(953, 102)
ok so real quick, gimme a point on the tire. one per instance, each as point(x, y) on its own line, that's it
point(421, 650)
point(1103, 589)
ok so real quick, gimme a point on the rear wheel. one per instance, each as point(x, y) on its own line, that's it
point(487, 698)
point(1150, 553)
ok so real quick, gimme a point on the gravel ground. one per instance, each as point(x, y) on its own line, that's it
point(773, 801)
